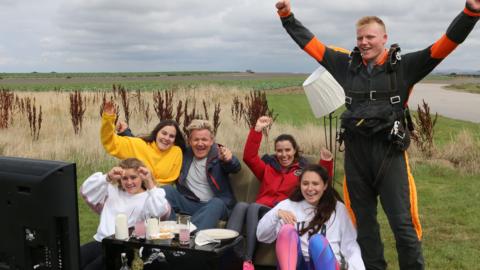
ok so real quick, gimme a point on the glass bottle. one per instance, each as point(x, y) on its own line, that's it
point(137, 262)
point(124, 260)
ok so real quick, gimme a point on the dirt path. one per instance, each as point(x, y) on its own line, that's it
point(456, 105)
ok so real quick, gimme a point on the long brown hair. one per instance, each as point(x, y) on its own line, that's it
point(327, 203)
point(179, 138)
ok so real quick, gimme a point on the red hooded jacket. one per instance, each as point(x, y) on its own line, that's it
point(276, 182)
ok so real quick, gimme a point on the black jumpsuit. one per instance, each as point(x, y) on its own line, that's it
point(373, 168)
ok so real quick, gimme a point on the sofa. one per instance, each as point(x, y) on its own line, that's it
point(245, 186)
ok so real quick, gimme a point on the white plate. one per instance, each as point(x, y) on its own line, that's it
point(172, 226)
point(219, 234)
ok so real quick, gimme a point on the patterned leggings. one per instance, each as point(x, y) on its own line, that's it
point(289, 252)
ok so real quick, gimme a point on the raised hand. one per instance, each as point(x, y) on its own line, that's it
point(109, 107)
point(325, 154)
point(474, 5)
point(283, 6)
point(287, 216)
point(121, 126)
point(262, 123)
point(224, 153)
point(114, 176)
point(146, 177)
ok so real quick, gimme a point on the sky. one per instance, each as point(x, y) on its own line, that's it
point(212, 35)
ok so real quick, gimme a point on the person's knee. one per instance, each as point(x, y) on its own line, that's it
point(286, 231)
point(168, 189)
point(241, 206)
point(216, 204)
point(404, 229)
point(170, 193)
point(317, 243)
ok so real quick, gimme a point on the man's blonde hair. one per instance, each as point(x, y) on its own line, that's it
point(370, 19)
point(199, 124)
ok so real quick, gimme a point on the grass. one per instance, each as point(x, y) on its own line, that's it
point(448, 206)
point(292, 109)
point(150, 82)
point(466, 87)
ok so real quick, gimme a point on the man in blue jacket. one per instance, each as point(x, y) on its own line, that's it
point(203, 189)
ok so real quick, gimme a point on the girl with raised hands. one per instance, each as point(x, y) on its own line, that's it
point(129, 189)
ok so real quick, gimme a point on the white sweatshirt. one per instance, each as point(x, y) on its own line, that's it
point(109, 201)
point(340, 232)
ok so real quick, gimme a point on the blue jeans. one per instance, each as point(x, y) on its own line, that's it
point(205, 215)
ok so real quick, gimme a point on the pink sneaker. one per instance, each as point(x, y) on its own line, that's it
point(248, 265)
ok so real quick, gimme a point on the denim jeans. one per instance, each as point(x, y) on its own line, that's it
point(205, 215)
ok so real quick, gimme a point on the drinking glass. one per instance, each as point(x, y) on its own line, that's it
point(183, 223)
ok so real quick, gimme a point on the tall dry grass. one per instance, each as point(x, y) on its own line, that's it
point(461, 153)
point(58, 141)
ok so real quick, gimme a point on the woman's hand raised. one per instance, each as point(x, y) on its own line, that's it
point(262, 123)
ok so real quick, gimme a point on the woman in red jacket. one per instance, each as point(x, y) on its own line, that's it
point(278, 174)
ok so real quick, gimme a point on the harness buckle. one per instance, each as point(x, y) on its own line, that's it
point(371, 95)
point(395, 99)
point(348, 100)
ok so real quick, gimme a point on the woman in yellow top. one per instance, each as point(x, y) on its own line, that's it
point(160, 151)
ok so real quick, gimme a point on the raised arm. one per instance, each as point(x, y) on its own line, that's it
point(250, 151)
point(332, 59)
point(95, 188)
point(117, 146)
point(421, 63)
point(156, 204)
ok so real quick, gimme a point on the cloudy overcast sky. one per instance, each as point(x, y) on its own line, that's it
point(217, 35)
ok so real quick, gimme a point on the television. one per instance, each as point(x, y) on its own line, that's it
point(39, 214)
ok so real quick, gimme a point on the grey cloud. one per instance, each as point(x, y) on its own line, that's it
point(216, 34)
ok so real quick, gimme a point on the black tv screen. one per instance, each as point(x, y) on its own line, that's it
point(39, 214)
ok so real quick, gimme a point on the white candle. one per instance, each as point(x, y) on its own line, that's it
point(121, 227)
point(152, 228)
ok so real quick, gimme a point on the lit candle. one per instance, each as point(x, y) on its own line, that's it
point(121, 227)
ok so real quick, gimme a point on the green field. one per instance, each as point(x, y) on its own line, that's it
point(145, 81)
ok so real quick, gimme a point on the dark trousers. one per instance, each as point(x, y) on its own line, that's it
point(91, 256)
point(375, 168)
point(253, 212)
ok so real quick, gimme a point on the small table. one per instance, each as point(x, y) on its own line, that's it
point(211, 256)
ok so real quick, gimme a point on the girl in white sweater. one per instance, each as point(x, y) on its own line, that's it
point(312, 227)
point(128, 189)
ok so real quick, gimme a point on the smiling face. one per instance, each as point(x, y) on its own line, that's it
point(371, 39)
point(131, 181)
point(201, 141)
point(166, 137)
point(312, 187)
point(285, 153)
